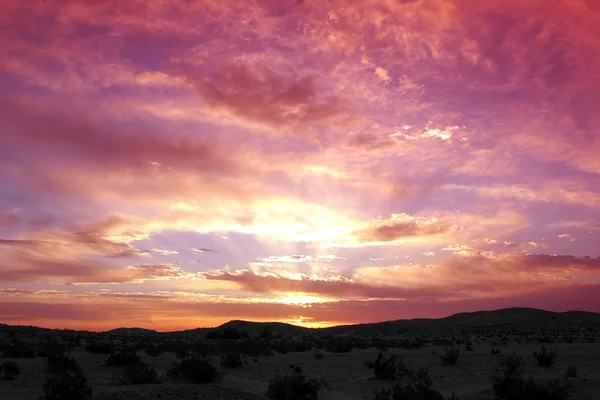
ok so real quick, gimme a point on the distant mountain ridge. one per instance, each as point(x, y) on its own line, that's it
point(503, 317)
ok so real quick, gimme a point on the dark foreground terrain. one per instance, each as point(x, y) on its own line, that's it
point(506, 354)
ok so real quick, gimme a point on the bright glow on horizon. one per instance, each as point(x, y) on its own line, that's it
point(392, 160)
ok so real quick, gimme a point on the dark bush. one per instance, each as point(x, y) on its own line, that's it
point(123, 358)
point(59, 363)
point(100, 347)
point(49, 348)
point(232, 360)
point(545, 357)
point(318, 355)
point(65, 380)
point(139, 374)
point(339, 345)
point(510, 384)
point(381, 344)
point(494, 352)
point(416, 386)
point(443, 342)
point(280, 346)
point(451, 355)
point(253, 348)
point(10, 370)
point(154, 350)
point(227, 333)
point(266, 334)
point(205, 349)
point(295, 387)
point(388, 369)
point(301, 346)
point(196, 370)
point(297, 369)
point(572, 372)
point(18, 349)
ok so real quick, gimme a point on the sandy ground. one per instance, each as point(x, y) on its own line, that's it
point(348, 377)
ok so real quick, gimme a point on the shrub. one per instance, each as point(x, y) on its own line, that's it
point(511, 385)
point(139, 374)
point(318, 355)
point(301, 346)
point(388, 369)
point(266, 334)
point(468, 347)
point(297, 369)
point(10, 370)
point(203, 349)
point(451, 355)
point(59, 363)
point(65, 380)
point(254, 348)
point(339, 345)
point(417, 386)
point(154, 350)
point(227, 333)
point(295, 387)
point(572, 372)
point(494, 352)
point(545, 357)
point(285, 346)
point(123, 358)
point(101, 347)
point(232, 360)
point(196, 370)
point(18, 349)
point(380, 344)
point(51, 347)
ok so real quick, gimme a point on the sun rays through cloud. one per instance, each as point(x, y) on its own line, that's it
point(174, 164)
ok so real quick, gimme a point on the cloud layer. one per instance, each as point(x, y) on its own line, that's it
point(344, 161)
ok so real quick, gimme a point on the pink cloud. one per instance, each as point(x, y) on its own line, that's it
point(442, 137)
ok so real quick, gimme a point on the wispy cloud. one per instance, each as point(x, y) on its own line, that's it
point(409, 157)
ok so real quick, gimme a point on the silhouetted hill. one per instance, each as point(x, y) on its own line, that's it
point(256, 328)
point(131, 331)
point(509, 317)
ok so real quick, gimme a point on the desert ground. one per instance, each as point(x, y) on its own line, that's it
point(325, 354)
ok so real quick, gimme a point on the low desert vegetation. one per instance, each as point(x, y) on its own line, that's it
point(123, 358)
point(450, 356)
point(141, 358)
point(232, 360)
point(195, 370)
point(47, 348)
point(9, 370)
point(295, 386)
point(100, 347)
point(254, 348)
point(572, 372)
point(510, 384)
point(65, 380)
point(545, 356)
point(154, 350)
point(138, 374)
point(388, 368)
point(18, 349)
point(338, 345)
point(412, 385)
point(227, 333)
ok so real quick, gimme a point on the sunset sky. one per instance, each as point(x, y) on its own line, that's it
point(174, 164)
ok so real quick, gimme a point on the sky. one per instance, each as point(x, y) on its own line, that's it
point(174, 164)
